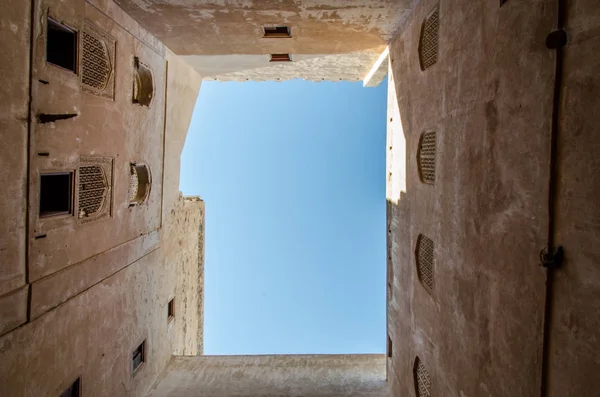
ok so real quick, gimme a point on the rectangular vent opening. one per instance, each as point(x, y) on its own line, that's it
point(138, 357)
point(281, 58)
point(61, 45)
point(56, 194)
point(277, 32)
point(389, 347)
point(171, 310)
point(74, 390)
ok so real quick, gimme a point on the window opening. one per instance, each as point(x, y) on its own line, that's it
point(277, 32)
point(56, 194)
point(138, 357)
point(281, 58)
point(61, 45)
point(171, 310)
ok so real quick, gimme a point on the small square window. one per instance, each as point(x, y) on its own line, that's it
point(277, 32)
point(61, 46)
point(389, 347)
point(74, 390)
point(171, 310)
point(281, 58)
point(56, 194)
point(138, 357)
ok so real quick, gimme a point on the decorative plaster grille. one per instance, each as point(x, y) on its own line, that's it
point(97, 61)
point(139, 183)
point(143, 83)
point(426, 157)
point(428, 44)
point(425, 264)
point(133, 183)
point(92, 190)
point(422, 379)
point(95, 66)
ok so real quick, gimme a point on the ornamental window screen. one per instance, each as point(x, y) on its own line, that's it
point(425, 262)
point(139, 183)
point(143, 83)
point(94, 181)
point(92, 190)
point(428, 43)
point(422, 379)
point(426, 157)
point(97, 61)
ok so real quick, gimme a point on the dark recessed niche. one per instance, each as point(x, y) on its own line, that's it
point(61, 45)
point(56, 194)
point(277, 32)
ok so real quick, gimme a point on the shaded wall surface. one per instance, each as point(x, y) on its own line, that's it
point(478, 328)
point(278, 375)
point(95, 285)
point(14, 112)
point(225, 27)
point(574, 334)
point(223, 39)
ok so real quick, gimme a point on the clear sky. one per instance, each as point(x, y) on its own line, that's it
point(293, 177)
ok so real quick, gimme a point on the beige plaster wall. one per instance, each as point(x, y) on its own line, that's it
point(489, 99)
point(574, 336)
point(92, 335)
point(108, 127)
point(14, 103)
point(183, 254)
point(98, 289)
point(277, 375)
point(352, 66)
point(224, 27)
point(183, 86)
point(223, 39)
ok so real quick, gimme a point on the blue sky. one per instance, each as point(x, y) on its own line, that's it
point(293, 177)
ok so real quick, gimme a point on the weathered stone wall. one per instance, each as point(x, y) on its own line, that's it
point(223, 39)
point(353, 66)
point(183, 253)
point(478, 331)
point(270, 376)
point(98, 288)
point(183, 85)
point(574, 334)
point(14, 112)
point(111, 127)
point(224, 27)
